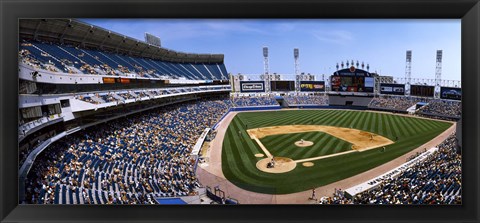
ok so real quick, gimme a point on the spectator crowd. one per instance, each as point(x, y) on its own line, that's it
point(241, 101)
point(127, 161)
point(442, 108)
point(435, 180)
point(306, 99)
point(399, 103)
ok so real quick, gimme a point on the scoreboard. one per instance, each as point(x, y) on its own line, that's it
point(282, 85)
point(451, 93)
point(422, 90)
point(312, 85)
point(352, 80)
point(352, 84)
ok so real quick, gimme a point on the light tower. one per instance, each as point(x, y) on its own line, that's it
point(297, 71)
point(265, 68)
point(438, 74)
point(408, 72)
point(296, 54)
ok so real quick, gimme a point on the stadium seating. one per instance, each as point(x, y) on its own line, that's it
point(435, 180)
point(442, 108)
point(241, 101)
point(396, 103)
point(129, 161)
point(71, 59)
point(306, 99)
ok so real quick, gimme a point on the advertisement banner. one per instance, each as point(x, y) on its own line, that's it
point(312, 85)
point(252, 86)
point(108, 80)
point(396, 89)
point(282, 85)
point(422, 90)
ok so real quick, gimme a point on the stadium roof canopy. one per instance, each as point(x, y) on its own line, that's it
point(77, 33)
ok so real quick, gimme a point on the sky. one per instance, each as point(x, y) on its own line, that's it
point(322, 43)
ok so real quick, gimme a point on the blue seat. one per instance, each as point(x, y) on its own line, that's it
point(70, 195)
point(57, 194)
point(64, 194)
point(77, 195)
point(97, 197)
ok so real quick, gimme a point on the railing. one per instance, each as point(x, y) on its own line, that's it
point(24, 129)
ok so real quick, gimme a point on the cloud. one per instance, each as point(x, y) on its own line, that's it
point(341, 37)
point(234, 27)
point(285, 27)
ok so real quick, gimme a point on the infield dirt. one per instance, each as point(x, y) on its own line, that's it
point(361, 140)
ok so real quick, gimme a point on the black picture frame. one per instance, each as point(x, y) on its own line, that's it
point(466, 10)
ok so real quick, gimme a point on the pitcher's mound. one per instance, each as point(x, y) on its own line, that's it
point(303, 144)
point(282, 165)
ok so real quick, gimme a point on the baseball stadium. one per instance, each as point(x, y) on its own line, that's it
point(109, 119)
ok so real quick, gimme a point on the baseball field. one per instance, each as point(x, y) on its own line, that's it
point(312, 148)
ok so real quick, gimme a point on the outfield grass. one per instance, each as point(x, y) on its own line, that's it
point(324, 144)
point(238, 159)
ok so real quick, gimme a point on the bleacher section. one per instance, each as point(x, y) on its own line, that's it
point(71, 59)
point(245, 101)
point(395, 103)
point(306, 99)
point(442, 109)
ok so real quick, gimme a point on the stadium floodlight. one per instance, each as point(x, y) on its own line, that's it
point(438, 74)
point(439, 56)
point(408, 72)
point(296, 54)
point(153, 40)
point(265, 68)
point(409, 55)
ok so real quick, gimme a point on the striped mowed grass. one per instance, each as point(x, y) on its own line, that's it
point(238, 152)
point(324, 144)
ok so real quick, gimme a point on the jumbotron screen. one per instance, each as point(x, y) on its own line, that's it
point(282, 85)
point(312, 85)
point(422, 90)
point(451, 93)
point(352, 84)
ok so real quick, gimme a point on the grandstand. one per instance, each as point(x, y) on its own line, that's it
point(108, 119)
point(436, 180)
point(74, 60)
point(72, 83)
